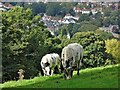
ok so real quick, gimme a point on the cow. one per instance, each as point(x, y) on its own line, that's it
point(49, 62)
point(71, 57)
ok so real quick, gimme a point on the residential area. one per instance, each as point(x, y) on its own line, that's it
point(75, 13)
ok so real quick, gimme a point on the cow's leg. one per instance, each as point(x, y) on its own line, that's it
point(80, 62)
point(71, 72)
point(78, 67)
point(44, 72)
point(59, 70)
point(65, 74)
point(80, 55)
point(73, 60)
point(51, 71)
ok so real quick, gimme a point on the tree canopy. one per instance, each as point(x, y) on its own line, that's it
point(23, 43)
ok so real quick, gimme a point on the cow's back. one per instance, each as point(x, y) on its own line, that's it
point(55, 58)
point(76, 47)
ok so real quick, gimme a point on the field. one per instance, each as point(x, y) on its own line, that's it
point(100, 77)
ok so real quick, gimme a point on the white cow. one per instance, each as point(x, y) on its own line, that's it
point(49, 62)
point(71, 57)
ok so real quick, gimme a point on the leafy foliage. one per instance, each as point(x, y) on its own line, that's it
point(36, 8)
point(84, 17)
point(53, 9)
point(113, 48)
point(23, 43)
point(104, 35)
point(87, 26)
point(110, 17)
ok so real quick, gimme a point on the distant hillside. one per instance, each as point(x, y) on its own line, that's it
point(100, 77)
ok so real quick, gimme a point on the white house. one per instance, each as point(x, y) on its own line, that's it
point(2, 8)
point(86, 11)
point(68, 16)
point(1, 4)
point(94, 11)
point(77, 10)
point(68, 19)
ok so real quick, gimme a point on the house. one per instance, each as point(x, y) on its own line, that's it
point(114, 28)
point(116, 35)
point(2, 8)
point(5, 7)
point(94, 11)
point(111, 28)
point(77, 10)
point(68, 16)
point(83, 11)
point(86, 11)
point(60, 20)
point(68, 19)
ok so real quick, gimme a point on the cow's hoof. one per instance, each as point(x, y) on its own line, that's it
point(65, 78)
point(68, 78)
point(78, 74)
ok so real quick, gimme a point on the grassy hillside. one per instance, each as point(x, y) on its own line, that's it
point(100, 77)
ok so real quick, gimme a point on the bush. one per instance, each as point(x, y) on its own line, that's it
point(113, 48)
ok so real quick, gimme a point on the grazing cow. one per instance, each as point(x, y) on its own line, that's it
point(49, 62)
point(71, 57)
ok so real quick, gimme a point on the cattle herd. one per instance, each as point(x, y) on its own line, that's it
point(71, 58)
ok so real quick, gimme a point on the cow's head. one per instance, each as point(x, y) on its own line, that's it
point(46, 68)
point(68, 73)
point(47, 71)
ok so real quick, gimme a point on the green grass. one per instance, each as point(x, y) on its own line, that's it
point(100, 77)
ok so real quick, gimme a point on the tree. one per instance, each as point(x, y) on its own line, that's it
point(63, 30)
point(53, 9)
point(113, 48)
point(114, 17)
point(87, 26)
point(54, 45)
point(106, 22)
point(23, 43)
point(107, 11)
point(84, 17)
point(37, 8)
point(97, 20)
point(104, 35)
